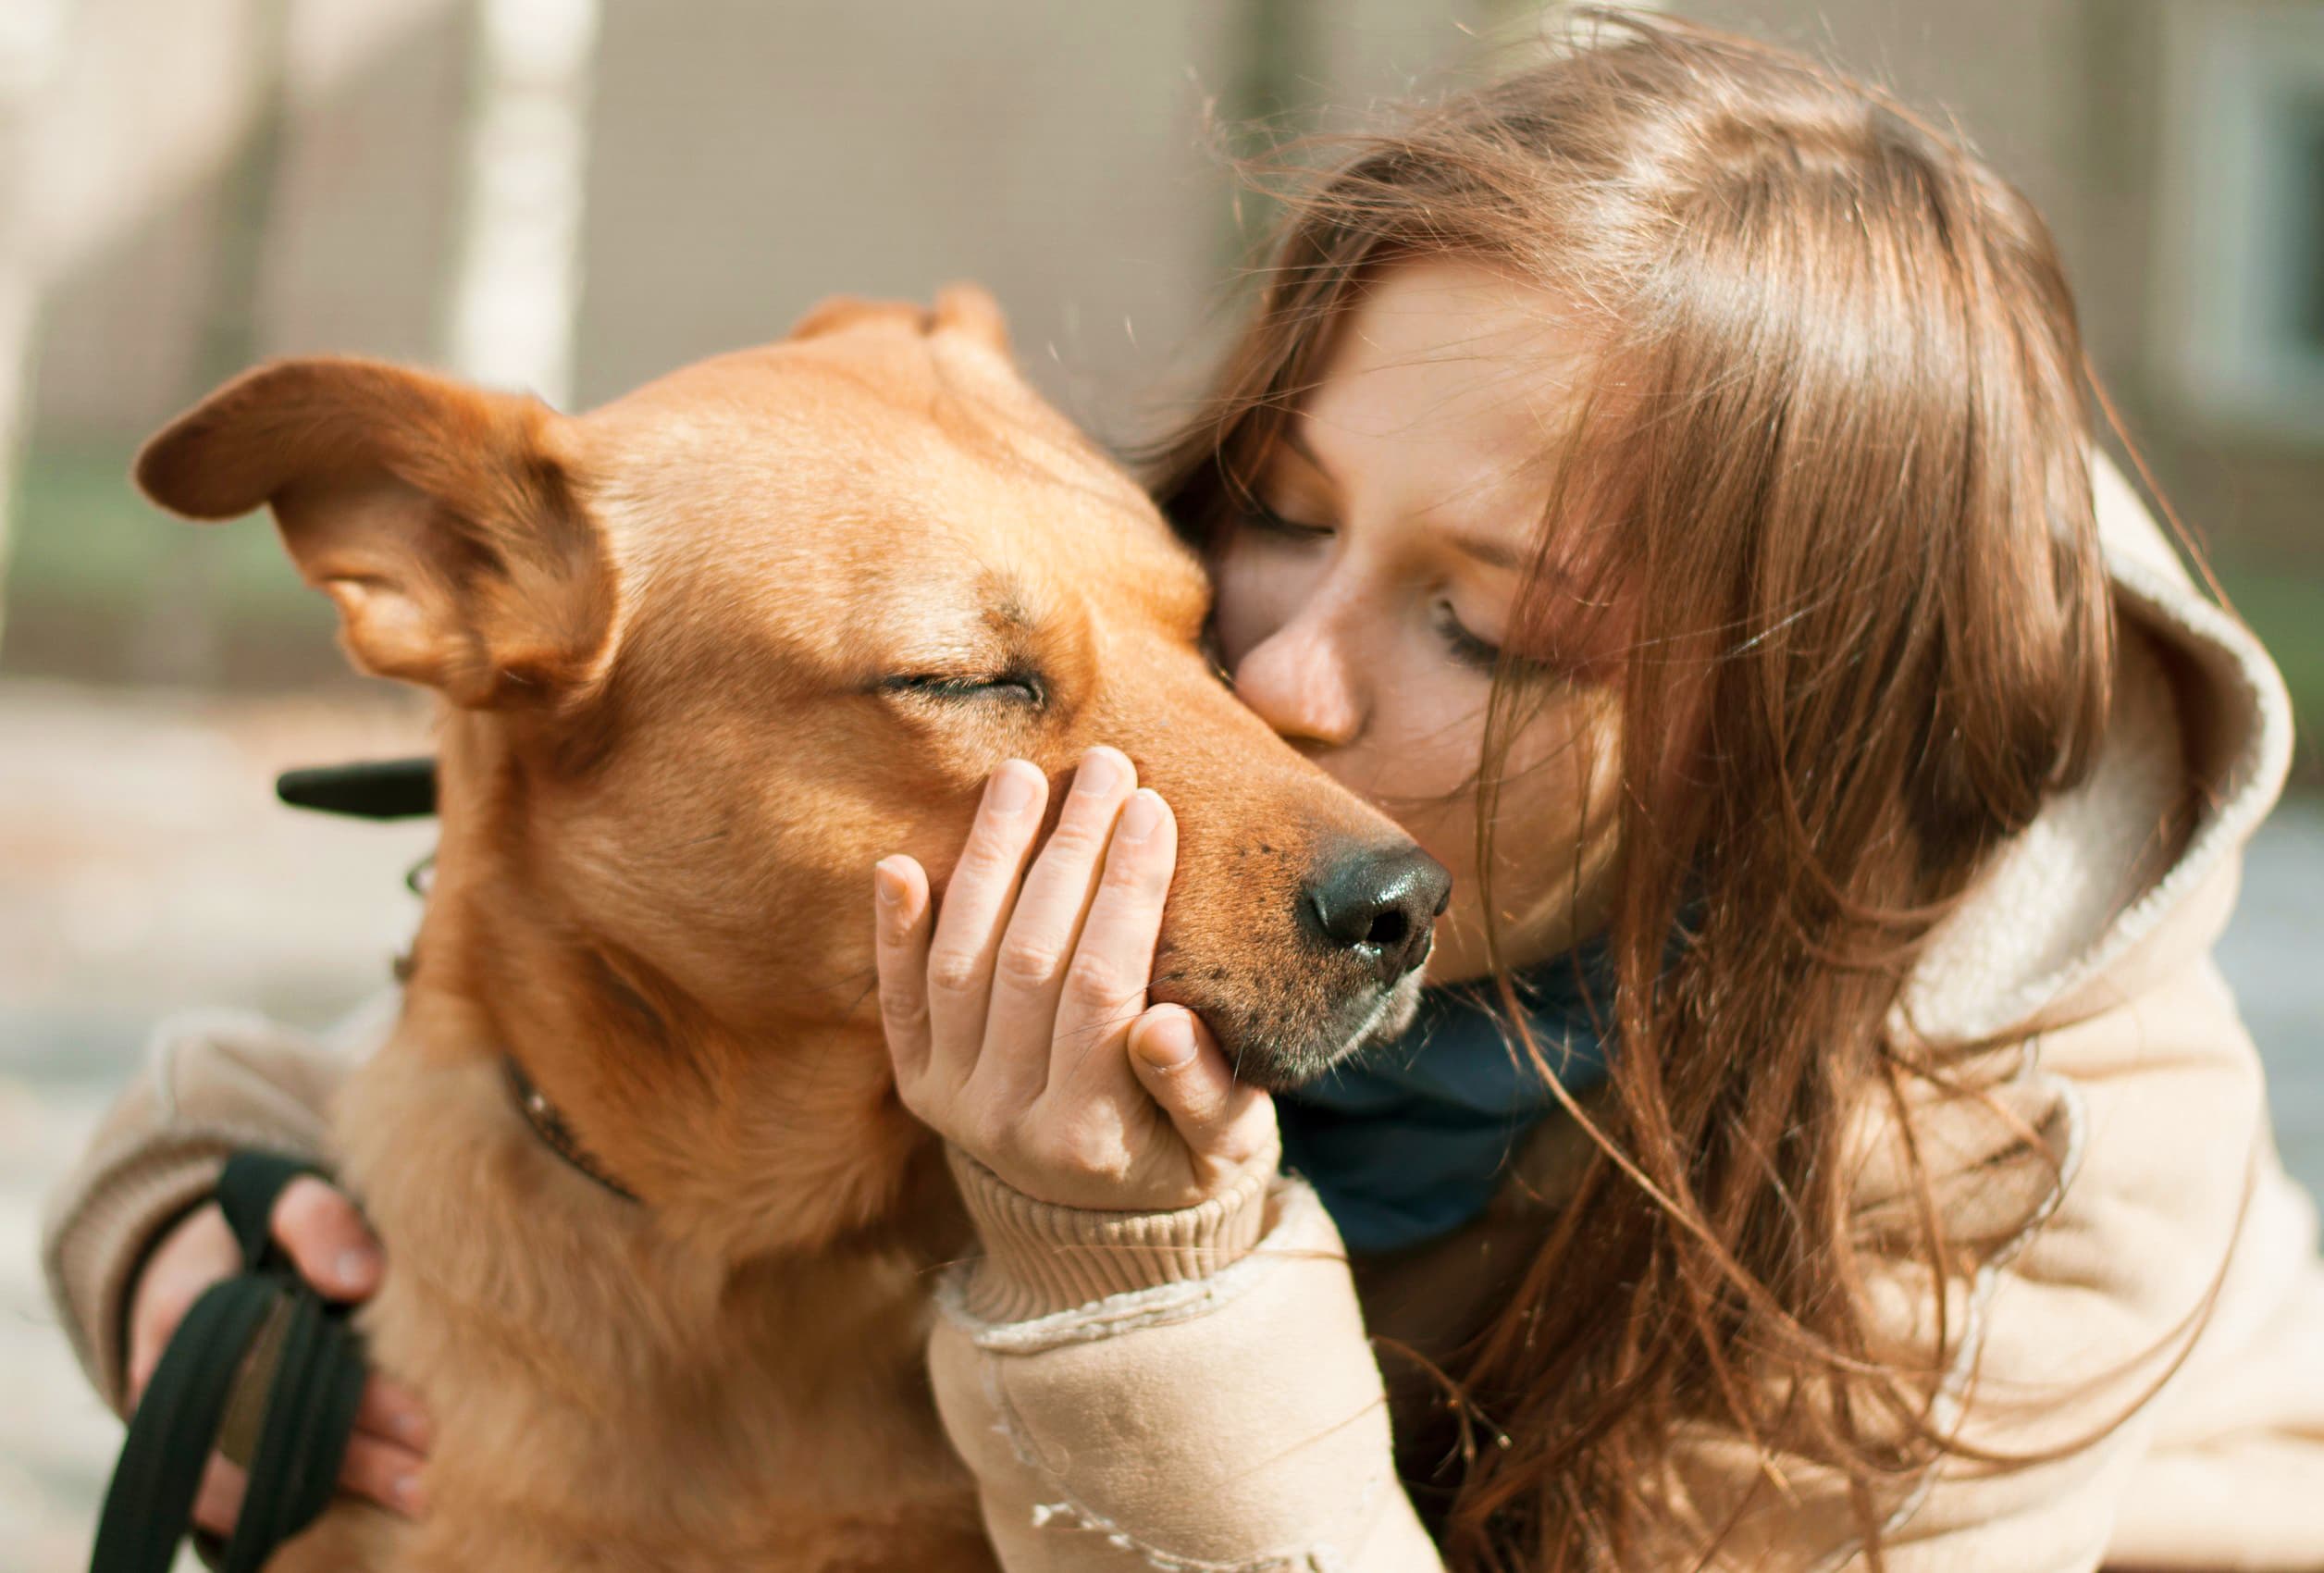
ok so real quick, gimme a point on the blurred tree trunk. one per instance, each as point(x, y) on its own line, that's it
point(32, 34)
point(180, 639)
point(518, 287)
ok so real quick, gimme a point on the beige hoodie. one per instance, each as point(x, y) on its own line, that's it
point(1198, 1391)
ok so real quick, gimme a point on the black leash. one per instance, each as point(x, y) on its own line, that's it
point(265, 1316)
point(310, 1406)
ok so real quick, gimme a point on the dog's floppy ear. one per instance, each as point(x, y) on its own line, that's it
point(442, 520)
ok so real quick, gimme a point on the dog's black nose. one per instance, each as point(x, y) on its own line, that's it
point(1377, 906)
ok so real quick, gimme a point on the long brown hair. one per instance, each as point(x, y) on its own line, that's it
point(1835, 462)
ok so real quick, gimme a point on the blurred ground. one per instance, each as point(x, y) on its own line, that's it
point(147, 868)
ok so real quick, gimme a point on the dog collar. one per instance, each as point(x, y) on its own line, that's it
point(554, 1133)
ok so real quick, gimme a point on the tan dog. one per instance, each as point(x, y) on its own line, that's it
point(707, 653)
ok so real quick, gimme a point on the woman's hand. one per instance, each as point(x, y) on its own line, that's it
point(1018, 1017)
point(328, 1242)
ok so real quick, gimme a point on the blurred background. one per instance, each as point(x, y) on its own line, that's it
point(573, 195)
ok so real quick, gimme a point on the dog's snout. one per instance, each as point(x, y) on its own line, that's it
point(1377, 906)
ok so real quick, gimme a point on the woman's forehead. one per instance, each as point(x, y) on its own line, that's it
point(1445, 389)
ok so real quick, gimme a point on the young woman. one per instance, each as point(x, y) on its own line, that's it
point(1662, 481)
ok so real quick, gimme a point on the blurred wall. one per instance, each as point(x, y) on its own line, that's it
point(157, 99)
point(744, 160)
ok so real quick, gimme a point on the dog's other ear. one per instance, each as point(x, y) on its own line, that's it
point(960, 308)
point(971, 309)
point(442, 520)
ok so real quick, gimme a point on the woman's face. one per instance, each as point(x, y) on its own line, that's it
point(1360, 607)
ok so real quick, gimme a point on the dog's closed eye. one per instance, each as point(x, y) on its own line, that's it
point(1024, 688)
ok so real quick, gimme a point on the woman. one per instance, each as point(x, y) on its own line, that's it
point(1663, 482)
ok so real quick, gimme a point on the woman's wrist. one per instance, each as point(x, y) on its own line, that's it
point(1040, 1258)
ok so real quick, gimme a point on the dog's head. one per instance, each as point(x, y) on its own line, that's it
point(712, 649)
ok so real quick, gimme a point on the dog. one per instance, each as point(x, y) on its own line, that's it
point(660, 1236)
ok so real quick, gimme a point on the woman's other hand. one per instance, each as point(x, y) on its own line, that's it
point(334, 1252)
point(1018, 1017)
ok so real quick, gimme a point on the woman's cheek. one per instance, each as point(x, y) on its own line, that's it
point(1553, 845)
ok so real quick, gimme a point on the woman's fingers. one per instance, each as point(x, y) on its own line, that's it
point(1010, 1010)
point(1029, 969)
point(976, 906)
point(383, 1462)
point(219, 1501)
point(195, 1254)
point(384, 1472)
point(1223, 1123)
point(326, 1239)
point(394, 1414)
point(900, 899)
point(1106, 983)
point(334, 1250)
point(379, 1472)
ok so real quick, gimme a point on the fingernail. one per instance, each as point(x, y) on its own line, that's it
point(887, 884)
point(407, 1494)
point(1142, 818)
point(355, 1267)
point(1012, 789)
point(1100, 773)
point(1167, 1041)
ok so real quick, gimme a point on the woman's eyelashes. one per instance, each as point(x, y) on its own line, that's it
point(1478, 654)
point(1267, 521)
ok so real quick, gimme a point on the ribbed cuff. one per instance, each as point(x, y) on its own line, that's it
point(100, 1242)
point(1040, 1258)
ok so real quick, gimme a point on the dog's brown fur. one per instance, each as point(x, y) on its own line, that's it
point(682, 643)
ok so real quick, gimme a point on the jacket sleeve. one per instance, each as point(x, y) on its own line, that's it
point(1177, 1391)
point(214, 1081)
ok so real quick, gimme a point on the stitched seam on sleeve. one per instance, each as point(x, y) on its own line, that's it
point(1069, 1512)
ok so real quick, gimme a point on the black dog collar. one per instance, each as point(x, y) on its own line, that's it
point(405, 788)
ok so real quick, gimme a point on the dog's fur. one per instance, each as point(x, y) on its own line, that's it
point(707, 653)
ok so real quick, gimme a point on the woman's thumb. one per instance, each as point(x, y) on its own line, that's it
point(327, 1238)
point(1180, 1066)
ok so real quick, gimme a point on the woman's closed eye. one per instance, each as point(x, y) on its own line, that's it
point(1267, 521)
point(1467, 648)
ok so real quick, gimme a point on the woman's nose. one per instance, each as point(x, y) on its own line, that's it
point(1300, 681)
